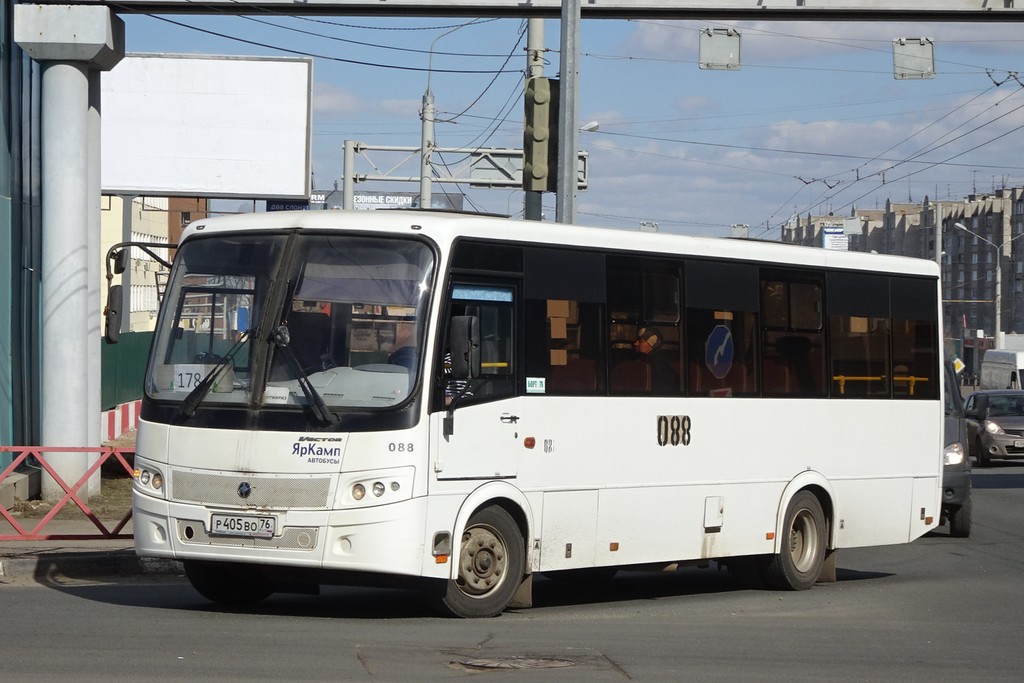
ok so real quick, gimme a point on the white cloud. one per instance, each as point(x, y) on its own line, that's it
point(331, 100)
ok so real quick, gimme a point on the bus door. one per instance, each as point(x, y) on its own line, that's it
point(478, 423)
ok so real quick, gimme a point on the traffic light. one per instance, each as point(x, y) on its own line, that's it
point(540, 137)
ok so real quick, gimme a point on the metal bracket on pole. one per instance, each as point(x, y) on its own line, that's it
point(496, 167)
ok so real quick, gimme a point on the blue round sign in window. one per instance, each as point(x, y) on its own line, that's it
point(718, 351)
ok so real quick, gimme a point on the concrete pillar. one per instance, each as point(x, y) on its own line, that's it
point(94, 257)
point(72, 42)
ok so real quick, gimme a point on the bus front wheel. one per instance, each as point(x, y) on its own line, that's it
point(228, 584)
point(492, 559)
point(799, 561)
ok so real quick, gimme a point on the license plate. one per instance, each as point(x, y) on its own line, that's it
point(249, 526)
point(1018, 443)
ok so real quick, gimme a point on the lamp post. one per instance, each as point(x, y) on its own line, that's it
point(427, 113)
point(997, 325)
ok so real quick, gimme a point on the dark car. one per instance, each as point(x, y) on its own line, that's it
point(957, 503)
point(995, 425)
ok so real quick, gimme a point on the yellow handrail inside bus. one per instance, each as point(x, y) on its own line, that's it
point(843, 379)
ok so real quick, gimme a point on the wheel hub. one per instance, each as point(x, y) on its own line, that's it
point(483, 561)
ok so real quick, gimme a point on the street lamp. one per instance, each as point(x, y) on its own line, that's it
point(427, 123)
point(997, 332)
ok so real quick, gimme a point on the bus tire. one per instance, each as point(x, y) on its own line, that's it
point(492, 560)
point(802, 553)
point(237, 585)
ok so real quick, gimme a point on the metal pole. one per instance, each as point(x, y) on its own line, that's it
point(349, 179)
point(999, 297)
point(565, 211)
point(426, 145)
point(533, 201)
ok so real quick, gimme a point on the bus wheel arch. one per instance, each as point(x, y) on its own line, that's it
point(804, 540)
point(489, 563)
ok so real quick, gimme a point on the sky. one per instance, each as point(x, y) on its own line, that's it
point(813, 122)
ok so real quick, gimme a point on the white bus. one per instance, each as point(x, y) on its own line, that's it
point(337, 396)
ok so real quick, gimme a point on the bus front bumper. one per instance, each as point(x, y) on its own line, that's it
point(387, 539)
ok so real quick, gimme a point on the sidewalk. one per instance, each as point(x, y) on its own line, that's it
point(54, 561)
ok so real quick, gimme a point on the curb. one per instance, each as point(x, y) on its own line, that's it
point(86, 565)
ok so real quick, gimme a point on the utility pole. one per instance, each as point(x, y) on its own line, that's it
point(533, 201)
point(426, 145)
point(565, 211)
point(349, 182)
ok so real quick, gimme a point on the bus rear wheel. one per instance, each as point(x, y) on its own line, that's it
point(798, 564)
point(492, 559)
point(237, 585)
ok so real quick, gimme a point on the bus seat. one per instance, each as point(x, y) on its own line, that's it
point(631, 376)
point(578, 376)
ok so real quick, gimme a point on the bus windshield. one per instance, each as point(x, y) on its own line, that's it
point(348, 330)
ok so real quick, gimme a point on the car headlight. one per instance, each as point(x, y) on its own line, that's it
point(993, 428)
point(954, 454)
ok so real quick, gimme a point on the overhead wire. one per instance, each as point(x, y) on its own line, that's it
point(308, 53)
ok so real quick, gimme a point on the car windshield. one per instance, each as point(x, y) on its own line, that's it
point(1006, 406)
point(349, 325)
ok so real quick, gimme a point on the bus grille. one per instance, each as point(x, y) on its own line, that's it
point(265, 492)
point(291, 538)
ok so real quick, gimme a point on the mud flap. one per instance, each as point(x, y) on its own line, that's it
point(523, 597)
point(828, 567)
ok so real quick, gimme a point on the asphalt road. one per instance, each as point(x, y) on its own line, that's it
point(939, 609)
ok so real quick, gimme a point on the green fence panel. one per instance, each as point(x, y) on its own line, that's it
point(124, 367)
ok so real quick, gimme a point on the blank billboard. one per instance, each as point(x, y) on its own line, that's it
point(207, 126)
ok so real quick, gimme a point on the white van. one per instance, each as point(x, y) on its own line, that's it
point(1002, 369)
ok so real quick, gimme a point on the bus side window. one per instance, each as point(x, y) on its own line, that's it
point(793, 351)
point(914, 331)
point(562, 345)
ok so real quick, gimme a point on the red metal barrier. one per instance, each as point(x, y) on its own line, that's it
point(70, 493)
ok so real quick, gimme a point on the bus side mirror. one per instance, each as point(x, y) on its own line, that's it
point(464, 337)
point(120, 260)
point(112, 314)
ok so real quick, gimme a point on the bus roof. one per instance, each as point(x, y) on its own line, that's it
point(445, 227)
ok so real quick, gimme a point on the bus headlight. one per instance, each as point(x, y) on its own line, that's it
point(148, 479)
point(954, 454)
point(375, 487)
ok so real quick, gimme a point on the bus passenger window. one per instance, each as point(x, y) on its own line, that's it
point(793, 351)
point(562, 346)
point(859, 356)
point(644, 339)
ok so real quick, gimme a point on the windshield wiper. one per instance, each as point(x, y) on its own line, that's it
point(282, 339)
point(196, 396)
